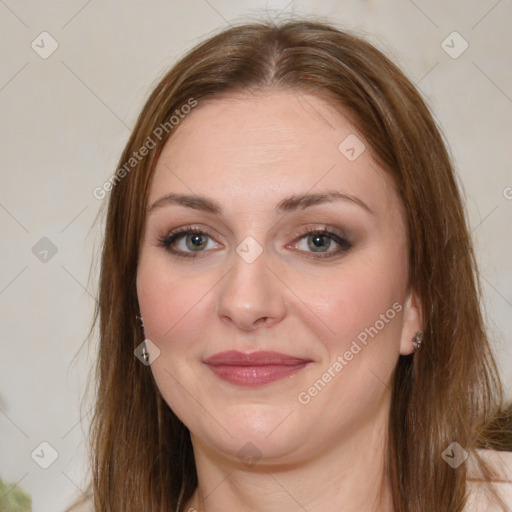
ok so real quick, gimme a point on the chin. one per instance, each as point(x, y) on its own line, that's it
point(256, 436)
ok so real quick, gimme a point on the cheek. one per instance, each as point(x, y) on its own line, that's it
point(171, 307)
point(167, 301)
point(364, 296)
point(363, 307)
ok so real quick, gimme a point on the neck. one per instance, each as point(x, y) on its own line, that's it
point(349, 477)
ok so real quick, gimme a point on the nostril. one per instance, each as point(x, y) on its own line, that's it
point(263, 321)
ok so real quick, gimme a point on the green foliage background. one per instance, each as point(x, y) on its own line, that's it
point(15, 500)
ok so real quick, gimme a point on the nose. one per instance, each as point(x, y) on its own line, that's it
point(251, 295)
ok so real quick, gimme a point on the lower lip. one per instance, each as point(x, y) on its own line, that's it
point(255, 375)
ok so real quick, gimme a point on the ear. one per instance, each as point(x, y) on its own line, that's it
point(412, 322)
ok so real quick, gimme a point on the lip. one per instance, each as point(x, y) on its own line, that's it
point(254, 368)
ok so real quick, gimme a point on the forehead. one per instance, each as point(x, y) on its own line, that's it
point(253, 149)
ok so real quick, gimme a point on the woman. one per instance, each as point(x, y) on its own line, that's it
point(287, 256)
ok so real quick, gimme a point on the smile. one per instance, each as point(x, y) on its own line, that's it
point(254, 369)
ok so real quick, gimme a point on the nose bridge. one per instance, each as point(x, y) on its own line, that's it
point(250, 292)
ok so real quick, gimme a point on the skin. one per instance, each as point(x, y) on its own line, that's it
point(249, 152)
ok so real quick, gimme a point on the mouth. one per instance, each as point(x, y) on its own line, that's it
point(255, 368)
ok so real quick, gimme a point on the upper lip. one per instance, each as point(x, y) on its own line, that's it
point(260, 358)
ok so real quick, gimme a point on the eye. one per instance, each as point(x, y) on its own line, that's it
point(195, 240)
point(319, 239)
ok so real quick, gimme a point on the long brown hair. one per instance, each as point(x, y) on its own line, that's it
point(141, 453)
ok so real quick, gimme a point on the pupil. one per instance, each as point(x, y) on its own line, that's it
point(196, 240)
point(317, 241)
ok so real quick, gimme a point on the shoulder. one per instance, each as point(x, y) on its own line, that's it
point(478, 500)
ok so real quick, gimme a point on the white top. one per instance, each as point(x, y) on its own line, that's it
point(478, 500)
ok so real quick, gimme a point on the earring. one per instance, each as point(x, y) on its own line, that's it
point(141, 322)
point(144, 349)
point(418, 338)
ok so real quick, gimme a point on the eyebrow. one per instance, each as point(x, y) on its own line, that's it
point(288, 204)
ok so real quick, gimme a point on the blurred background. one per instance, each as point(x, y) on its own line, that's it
point(74, 77)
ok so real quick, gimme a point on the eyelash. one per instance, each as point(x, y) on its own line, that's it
point(167, 241)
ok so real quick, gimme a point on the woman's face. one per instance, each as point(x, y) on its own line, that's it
point(335, 305)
